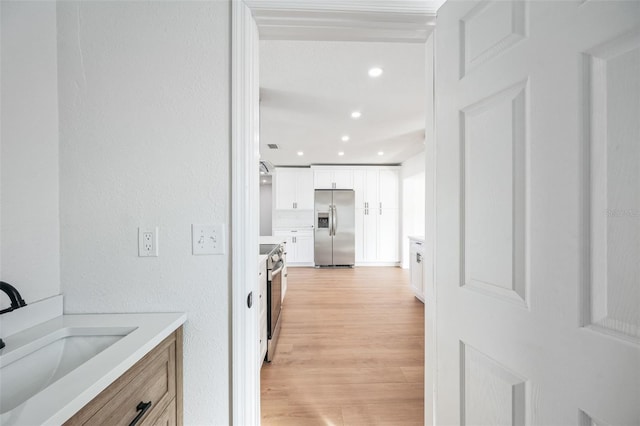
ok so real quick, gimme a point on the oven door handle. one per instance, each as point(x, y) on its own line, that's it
point(277, 268)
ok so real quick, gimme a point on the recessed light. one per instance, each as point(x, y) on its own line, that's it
point(341, 153)
point(380, 153)
point(264, 181)
point(375, 72)
point(300, 153)
point(356, 114)
point(345, 138)
point(261, 173)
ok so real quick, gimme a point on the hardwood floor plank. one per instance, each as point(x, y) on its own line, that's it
point(351, 351)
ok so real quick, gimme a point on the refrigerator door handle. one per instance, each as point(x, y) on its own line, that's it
point(331, 220)
point(335, 219)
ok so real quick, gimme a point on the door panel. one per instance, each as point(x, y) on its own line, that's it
point(537, 279)
point(389, 189)
point(323, 247)
point(371, 189)
point(344, 225)
point(358, 188)
point(343, 178)
point(304, 248)
point(304, 189)
point(388, 235)
point(322, 179)
point(359, 236)
point(370, 241)
point(285, 188)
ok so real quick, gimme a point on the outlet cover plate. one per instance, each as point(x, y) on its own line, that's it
point(208, 238)
point(148, 242)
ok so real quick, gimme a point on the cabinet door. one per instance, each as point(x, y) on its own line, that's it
point(358, 188)
point(416, 265)
point(389, 188)
point(285, 189)
point(370, 233)
point(291, 248)
point(343, 178)
point(371, 189)
point(304, 248)
point(387, 235)
point(323, 179)
point(304, 189)
point(359, 235)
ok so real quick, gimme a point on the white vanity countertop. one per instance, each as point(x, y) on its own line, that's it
point(62, 399)
point(262, 259)
point(272, 239)
point(417, 238)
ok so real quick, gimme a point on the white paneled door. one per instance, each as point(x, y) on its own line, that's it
point(538, 213)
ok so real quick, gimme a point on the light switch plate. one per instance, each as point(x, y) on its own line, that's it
point(208, 238)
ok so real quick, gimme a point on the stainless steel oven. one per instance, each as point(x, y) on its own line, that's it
point(275, 270)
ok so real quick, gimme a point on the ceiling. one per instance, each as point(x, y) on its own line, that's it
point(308, 90)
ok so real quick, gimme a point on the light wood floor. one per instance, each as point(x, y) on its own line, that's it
point(351, 351)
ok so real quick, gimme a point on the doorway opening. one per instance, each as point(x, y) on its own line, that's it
point(419, 36)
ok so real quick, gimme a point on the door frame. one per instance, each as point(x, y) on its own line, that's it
point(365, 20)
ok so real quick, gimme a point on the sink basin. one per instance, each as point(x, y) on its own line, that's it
point(30, 368)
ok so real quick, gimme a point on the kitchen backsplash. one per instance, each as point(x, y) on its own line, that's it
point(292, 218)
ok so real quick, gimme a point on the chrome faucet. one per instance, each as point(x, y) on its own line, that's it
point(14, 295)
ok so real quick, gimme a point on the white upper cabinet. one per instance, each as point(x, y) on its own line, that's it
point(365, 185)
point(388, 182)
point(293, 188)
point(323, 179)
point(333, 178)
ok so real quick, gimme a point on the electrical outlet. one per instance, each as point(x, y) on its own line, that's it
point(208, 239)
point(148, 242)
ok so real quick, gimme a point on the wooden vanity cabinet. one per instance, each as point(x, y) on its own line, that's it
point(156, 378)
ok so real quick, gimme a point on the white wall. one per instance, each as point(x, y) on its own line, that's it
point(144, 124)
point(29, 214)
point(266, 207)
point(413, 175)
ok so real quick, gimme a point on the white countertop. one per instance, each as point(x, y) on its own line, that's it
point(62, 399)
point(417, 238)
point(262, 259)
point(270, 239)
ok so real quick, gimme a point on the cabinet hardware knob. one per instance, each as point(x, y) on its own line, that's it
point(142, 407)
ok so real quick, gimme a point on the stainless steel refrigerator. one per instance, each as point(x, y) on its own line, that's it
point(335, 226)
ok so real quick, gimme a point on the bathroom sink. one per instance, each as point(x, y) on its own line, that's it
point(32, 367)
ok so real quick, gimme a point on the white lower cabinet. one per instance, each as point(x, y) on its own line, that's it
point(299, 246)
point(366, 236)
point(262, 280)
point(416, 266)
point(387, 240)
point(377, 236)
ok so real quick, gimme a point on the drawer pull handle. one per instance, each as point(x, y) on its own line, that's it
point(143, 407)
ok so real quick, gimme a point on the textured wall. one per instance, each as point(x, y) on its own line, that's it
point(413, 175)
point(30, 224)
point(144, 141)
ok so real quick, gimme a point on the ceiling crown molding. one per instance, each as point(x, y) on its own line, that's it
point(342, 20)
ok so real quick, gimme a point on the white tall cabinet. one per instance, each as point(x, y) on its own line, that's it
point(377, 214)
